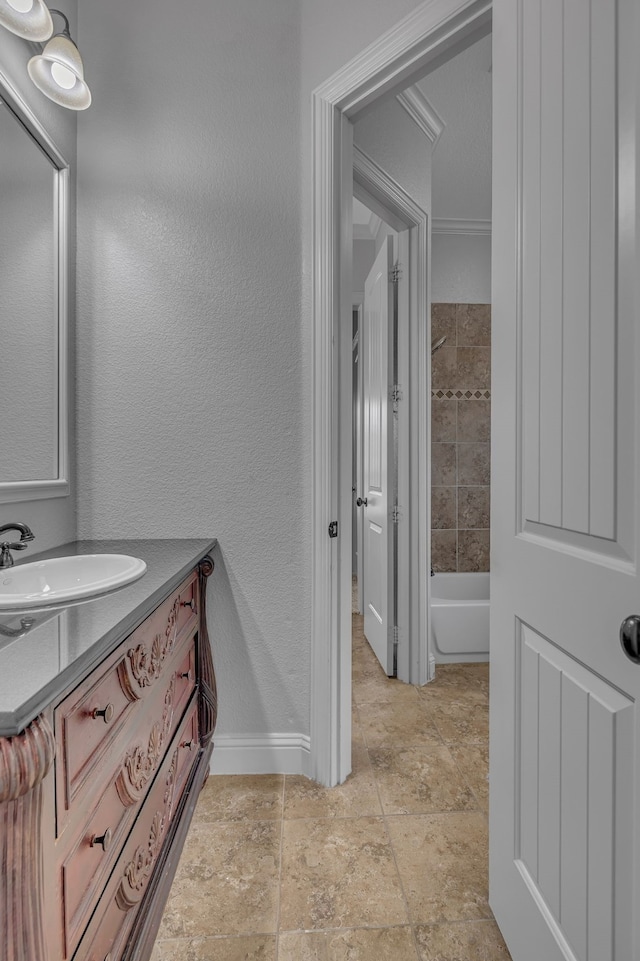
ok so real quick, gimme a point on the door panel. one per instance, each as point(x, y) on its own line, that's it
point(377, 373)
point(564, 848)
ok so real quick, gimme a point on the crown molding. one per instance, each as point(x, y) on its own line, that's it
point(452, 225)
point(367, 231)
point(422, 113)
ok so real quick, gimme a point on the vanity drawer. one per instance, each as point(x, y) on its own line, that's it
point(95, 719)
point(107, 931)
point(85, 868)
point(86, 724)
point(152, 644)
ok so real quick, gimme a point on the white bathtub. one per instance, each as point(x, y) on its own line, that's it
point(460, 617)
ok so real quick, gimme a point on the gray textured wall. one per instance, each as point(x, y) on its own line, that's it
point(194, 373)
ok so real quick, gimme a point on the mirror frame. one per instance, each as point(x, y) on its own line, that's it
point(56, 486)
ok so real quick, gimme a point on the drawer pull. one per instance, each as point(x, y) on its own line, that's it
point(106, 713)
point(187, 675)
point(191, 604)
point(104, 840)
point(187, 744)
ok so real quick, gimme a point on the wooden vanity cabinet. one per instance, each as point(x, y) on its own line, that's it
point(97, 794)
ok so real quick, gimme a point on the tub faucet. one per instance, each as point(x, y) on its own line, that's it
point(26, 535)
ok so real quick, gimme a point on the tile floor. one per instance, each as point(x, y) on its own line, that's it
point(389, 866)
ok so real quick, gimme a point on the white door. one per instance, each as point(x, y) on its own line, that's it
point(377, 372)
point(565, 722)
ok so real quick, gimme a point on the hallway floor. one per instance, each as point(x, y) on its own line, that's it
point(390, 866)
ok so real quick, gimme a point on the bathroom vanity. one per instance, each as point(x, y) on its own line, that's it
point(107, 710)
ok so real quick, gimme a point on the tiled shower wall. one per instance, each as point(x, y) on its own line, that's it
point(460, 437)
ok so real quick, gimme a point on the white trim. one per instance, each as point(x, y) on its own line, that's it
point(433, 33)
point(452, 225)
point(261, 754)
point(422, 113)
point(12, 491)
point(404, 214)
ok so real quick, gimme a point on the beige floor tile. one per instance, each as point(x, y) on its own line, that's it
point(261, 948)
point(339, 873)
point(356, 797)
point(238, 797)
point(463, 675)
point(399, 723)
point(359, 944)
point(442, 860)
point(226, 881)
point(470, 725)
point(377, 688)
point(463, 941)
point(420, 780)
point(473, 762)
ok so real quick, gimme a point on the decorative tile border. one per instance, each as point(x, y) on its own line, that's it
point(461, 394)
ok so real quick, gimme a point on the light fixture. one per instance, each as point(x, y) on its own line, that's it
point(29, 19)
point(58, 71)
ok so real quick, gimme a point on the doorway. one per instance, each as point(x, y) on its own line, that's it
point(427, 42)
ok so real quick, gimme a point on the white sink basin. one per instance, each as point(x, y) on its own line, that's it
point(66, 579)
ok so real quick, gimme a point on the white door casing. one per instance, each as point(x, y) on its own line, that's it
point(565, 723)
point(378, 461)
point(429, 34)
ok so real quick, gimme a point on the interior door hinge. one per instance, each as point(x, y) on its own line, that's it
point(333, 529)
point(395, 273)
point(396, 632)
point(396, 515)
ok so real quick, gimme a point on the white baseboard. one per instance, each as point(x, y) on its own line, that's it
point(261, 754)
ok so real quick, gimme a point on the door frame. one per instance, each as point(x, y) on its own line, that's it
point(428, 37)
point(377, 190)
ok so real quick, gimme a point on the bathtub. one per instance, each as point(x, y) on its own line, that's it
point(460, 617)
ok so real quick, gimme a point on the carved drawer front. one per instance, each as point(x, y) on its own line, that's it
point(86, 867)
point(107, 931)
point(86, 724)
point(151, 646)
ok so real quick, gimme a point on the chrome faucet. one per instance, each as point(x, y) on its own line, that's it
point(26, 535)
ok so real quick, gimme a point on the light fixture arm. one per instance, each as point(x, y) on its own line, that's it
point(66, 32)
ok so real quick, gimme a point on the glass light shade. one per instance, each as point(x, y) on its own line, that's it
point(58, 72)
point(29, 19)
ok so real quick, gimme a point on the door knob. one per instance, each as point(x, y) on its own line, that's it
point(630, 637)
point(362, 502)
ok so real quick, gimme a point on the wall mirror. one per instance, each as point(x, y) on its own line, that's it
point(33, 306)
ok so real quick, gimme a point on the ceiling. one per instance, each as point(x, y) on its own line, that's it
point(460, 92)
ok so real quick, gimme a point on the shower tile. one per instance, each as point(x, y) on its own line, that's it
point(474, 420)
point(442, 860)
point(338, 873)
point(473, 508)
point(473, 550)
point(443, 508)
point(474, 325)
point(473, 367)
point(444, 323)
point(443, 465)
point(474, 465)
point(420, 780)
point(240, 797)
point(444, 546)
point(219, 859)
point(444, 366)
point(461, 941)
point(443, 419)
point(262, 948)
